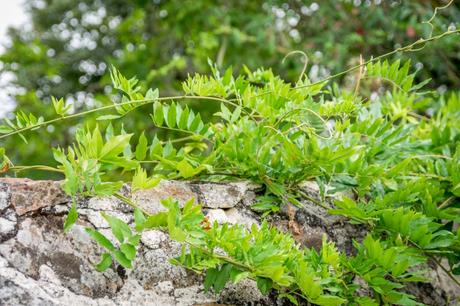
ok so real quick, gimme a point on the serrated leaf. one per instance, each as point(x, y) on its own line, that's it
point(141, 181)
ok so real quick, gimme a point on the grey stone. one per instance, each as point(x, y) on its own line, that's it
point(165, 287)
point(224, 195)
point(4, 196)
point(41, 265)
point(150, 199)
point(153, 238)
point(236, 216)
point(217, 215)
point(7, 227)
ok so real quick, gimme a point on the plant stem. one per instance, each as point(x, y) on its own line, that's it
point(35, 167)
point(311, 199)
point(130, 203)
point(144, 101)
point(410, 47)
point(446, 271)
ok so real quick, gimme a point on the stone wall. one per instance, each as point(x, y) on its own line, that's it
point(40, 265)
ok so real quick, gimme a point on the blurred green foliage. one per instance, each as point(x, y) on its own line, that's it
point(67, 49)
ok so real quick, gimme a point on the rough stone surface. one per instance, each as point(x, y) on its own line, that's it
point(150, 199)
point(28, 195)
point(212, 195)
point(40, 265)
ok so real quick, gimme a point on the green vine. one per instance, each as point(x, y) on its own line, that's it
point(401, 165)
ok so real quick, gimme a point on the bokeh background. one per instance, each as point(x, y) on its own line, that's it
point(64, 48)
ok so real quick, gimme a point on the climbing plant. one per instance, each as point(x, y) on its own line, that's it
point(393, 146)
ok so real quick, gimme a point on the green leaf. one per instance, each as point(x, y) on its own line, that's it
point(115, 146)
point(139, 219)
point(119, 228)
point(100, 239)
point(152, 94)
point(129, 251)
point(329, 300)
point(238, 275)
point(264, 284)
point(183, 120)
point(177, 234)
point(107, 188)
point(5, 129)
point(210, 279)
point(236, 114)
point(158, 115)
point(158, 220)
point(141, 149)
point(72, 217)
point(185, 169)
point(141, 181)
point(134, 240)
point(196, 124)
point(122, 260)
point(108, 117)
point(171, 119)
point(290, 297)
point(222, 277)
point(105, 263)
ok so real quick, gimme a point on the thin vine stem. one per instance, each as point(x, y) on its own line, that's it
point(406, 48)
point(34, 167)
point(455, 280)
point(106, 107)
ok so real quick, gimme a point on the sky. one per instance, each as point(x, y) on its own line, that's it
point(11, 14)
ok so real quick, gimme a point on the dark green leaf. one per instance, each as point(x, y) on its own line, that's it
point(264, 284)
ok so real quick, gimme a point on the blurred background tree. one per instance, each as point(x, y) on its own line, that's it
point(70, 44)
